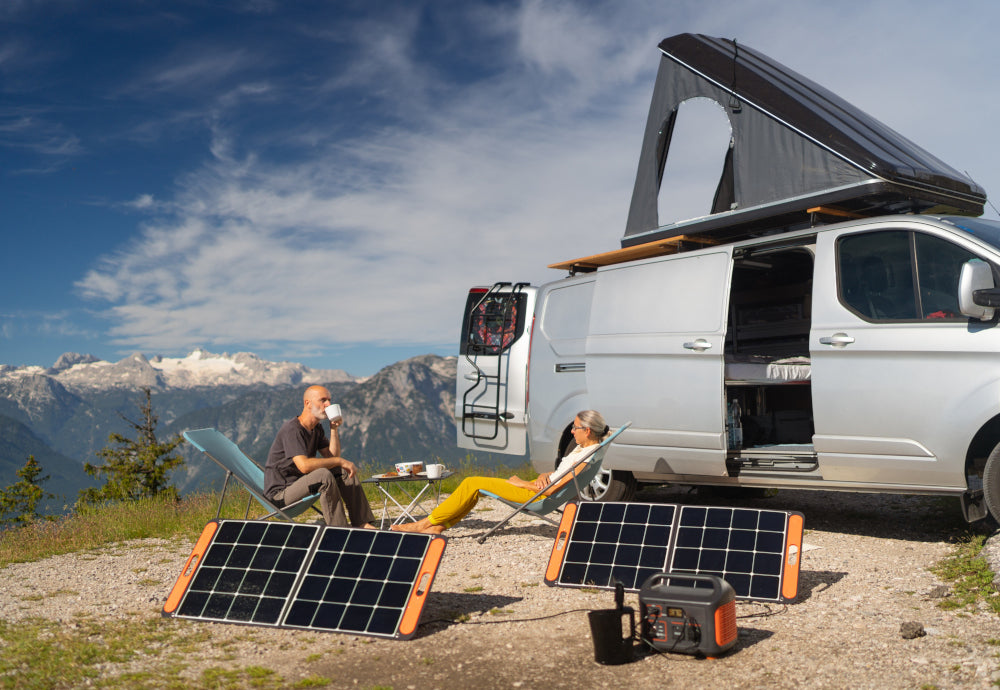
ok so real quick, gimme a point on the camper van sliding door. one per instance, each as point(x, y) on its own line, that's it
point(655, 356)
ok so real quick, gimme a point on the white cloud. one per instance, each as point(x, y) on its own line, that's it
point(32, 131)
point(143, 202)
point(33, 323)
point(377, 239)
point(183, 72)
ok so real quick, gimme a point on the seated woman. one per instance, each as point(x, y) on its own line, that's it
point(589, 430)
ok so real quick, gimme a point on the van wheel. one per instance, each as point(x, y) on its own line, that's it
point(991, 484)
point(611, 485)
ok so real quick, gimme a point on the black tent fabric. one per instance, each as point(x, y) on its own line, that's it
point(795, 145)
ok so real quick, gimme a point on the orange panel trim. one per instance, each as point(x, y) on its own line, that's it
point(177, 593)
point(418, 597)
point(793, 557)
point(561, 542)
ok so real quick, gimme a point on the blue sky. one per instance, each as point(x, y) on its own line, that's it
point(323, 181)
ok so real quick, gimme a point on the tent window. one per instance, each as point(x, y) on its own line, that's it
point(695, 157)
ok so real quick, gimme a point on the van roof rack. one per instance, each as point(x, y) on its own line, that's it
point(817, 215)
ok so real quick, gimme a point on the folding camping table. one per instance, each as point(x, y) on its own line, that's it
point(433, 485)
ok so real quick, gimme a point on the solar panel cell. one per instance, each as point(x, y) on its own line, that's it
point(255, 582)
point(394, 595)
point(404, 569)
point(349, 565)
point(279, 585)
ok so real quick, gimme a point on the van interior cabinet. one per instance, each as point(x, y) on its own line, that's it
point(771, 414)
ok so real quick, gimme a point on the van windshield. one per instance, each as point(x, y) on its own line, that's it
point(986, 230)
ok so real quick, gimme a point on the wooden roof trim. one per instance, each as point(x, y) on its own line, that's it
point(834, 211)
point(671, 245)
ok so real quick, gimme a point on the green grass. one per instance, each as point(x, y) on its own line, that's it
point(46, 654)
point(970, 575)
point(95, 527)
point(40, 653)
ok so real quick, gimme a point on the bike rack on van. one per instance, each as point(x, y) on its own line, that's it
point(497, 410)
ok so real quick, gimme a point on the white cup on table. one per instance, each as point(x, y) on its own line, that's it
point(434, 471)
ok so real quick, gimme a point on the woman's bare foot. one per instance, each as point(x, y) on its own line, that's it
point(422, 526)
point(369, 525)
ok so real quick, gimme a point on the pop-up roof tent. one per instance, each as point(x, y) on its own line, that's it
point(796, 147)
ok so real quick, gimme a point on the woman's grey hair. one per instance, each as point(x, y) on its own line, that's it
point(593, 420)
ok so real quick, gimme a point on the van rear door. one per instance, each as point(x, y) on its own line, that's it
point(490, 388)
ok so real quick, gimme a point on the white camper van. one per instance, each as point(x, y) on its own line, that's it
point(801, 336)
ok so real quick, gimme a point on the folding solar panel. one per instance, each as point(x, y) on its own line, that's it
point(307, 576)
point(755, 551)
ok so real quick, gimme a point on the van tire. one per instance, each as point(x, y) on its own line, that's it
point(611, 485)
point(991, 483)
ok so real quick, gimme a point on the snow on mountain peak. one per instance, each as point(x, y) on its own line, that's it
point(199, 368)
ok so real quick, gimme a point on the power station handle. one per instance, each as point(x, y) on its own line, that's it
point(713, 580)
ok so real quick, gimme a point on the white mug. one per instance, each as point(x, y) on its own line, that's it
point(434, 471)
point(333, 413)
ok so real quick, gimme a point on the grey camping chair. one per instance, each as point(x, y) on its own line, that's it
point(540, 506)
point(248, 473)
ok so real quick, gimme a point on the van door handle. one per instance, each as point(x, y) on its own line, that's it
point(699, 345)
point(471, 377)
point(837, 340)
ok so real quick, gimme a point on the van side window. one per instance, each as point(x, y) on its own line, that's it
point(492, 324)
point(898, 275)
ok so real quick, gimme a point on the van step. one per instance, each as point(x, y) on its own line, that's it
point(771, 462)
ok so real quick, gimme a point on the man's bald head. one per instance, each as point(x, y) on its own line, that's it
point(314, 404)
point(316, 394)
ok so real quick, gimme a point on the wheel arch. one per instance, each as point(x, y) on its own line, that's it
point(981, 446)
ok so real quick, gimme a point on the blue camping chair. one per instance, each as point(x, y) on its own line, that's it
point(570, 491)
point(248, 473)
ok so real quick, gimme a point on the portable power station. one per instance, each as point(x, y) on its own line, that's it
point(689, 614)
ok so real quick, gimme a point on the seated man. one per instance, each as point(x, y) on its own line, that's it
point(293, 471)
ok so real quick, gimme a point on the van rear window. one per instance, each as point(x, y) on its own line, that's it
point(493, 322)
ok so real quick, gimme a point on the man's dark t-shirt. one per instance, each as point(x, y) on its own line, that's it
point(292, 439)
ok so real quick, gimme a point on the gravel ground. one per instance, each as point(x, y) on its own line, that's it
point(491, 622)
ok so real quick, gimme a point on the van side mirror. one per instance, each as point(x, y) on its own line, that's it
point(977, 293)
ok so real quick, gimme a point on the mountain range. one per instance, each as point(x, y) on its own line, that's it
point(63, 414)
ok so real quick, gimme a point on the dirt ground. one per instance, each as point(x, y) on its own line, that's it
point(864, 574)
point(491, 622)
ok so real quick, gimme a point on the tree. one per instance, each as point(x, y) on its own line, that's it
point(135, 468)
point(19, 501)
